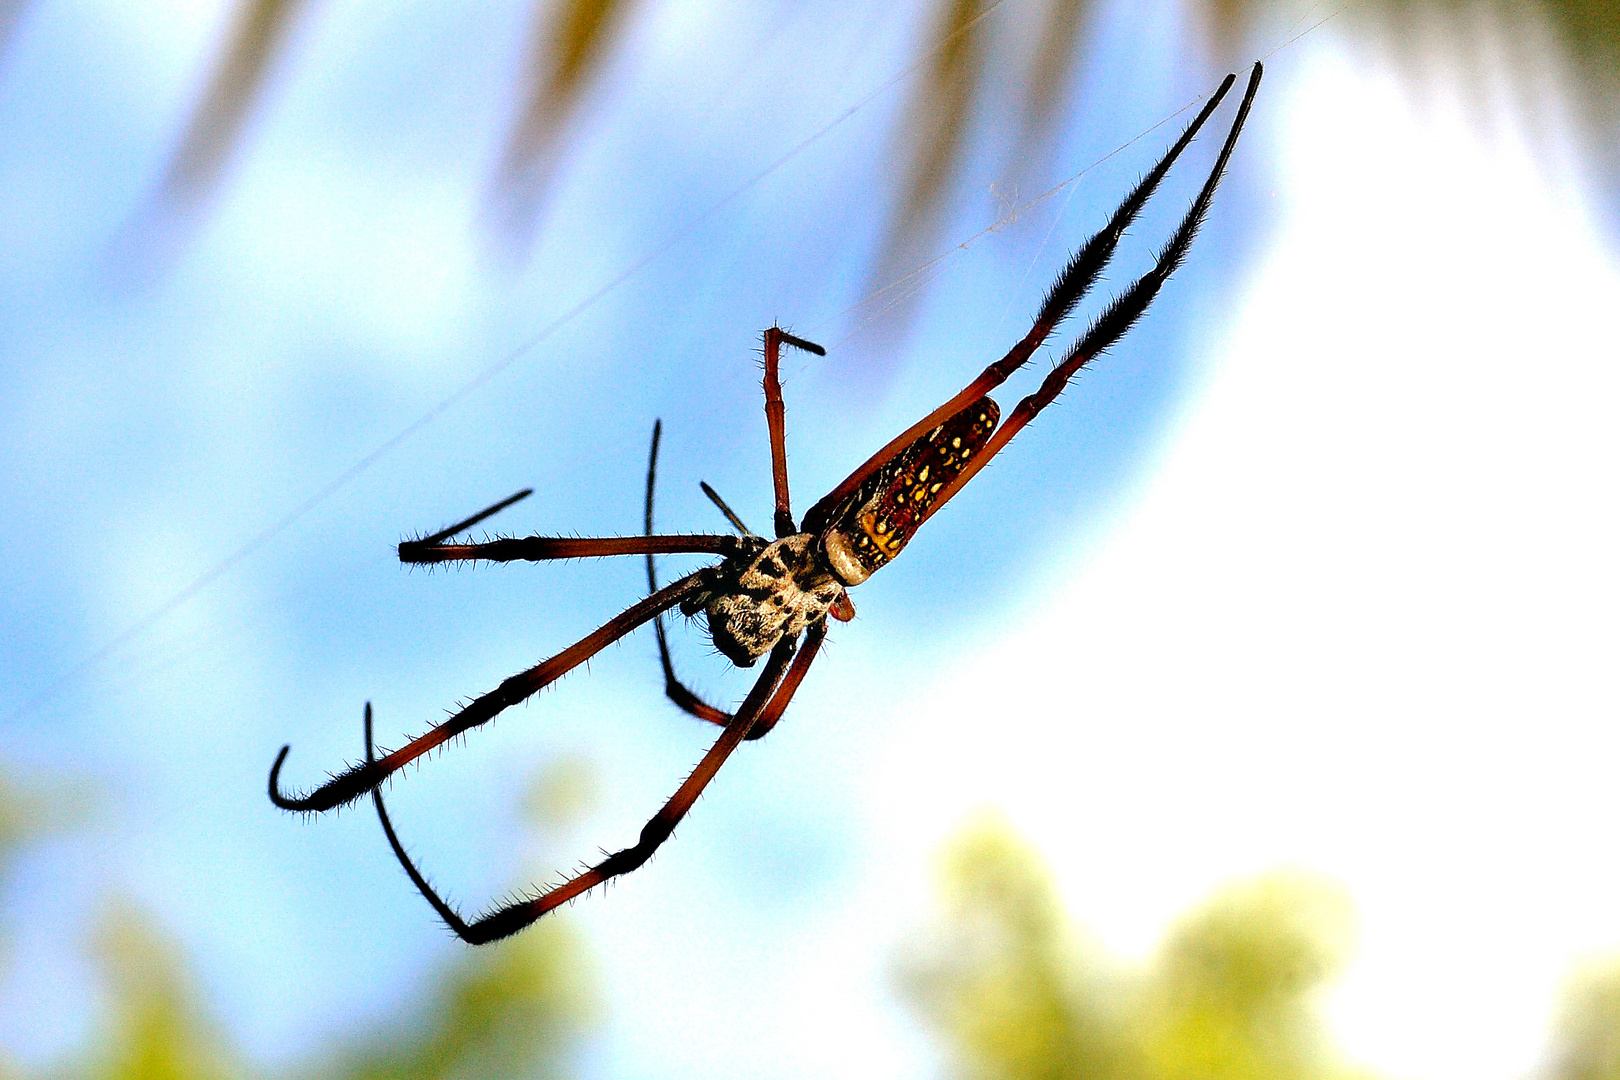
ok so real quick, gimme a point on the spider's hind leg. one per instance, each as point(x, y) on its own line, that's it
point(451, 917)
point(763, 707)
point(1120, 315)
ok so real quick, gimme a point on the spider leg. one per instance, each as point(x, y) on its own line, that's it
point(433, 549)
point(1071, 286)
point(731, 515)
point(451, 918)
point(542, 548)
point(487, 512)
point(359, 779)
point(775, 414)
point(767, 700)
point(790, 682)
point(674, 689)
point(1118, 317)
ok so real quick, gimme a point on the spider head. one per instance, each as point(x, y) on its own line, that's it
point(755, 598)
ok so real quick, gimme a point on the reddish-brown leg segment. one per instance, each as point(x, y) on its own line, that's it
point(775, 420)
point(765, 703)
point(1070, 287)
point(359, 779)
point(433, 549)
point(541, 548)
point(813, 638)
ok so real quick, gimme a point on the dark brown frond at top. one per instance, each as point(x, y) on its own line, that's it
point(10, 15)
point(1495, 45)
point(573, 39)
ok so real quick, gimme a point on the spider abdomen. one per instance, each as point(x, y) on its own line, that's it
point(893, 502)
point(753, 604)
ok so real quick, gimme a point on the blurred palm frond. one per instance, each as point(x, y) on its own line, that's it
point(1056, 53)
point(569, 44)
point(573, 39)
point(929, 148)
point(11, 12)
point(217, 127)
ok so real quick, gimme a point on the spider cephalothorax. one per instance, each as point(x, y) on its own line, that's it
point(753, 600)
point(751, 603)
point(772, 598)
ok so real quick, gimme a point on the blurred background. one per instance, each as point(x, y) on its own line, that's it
point(1253, 716)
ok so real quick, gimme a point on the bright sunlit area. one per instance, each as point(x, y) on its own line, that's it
point(1251, 716)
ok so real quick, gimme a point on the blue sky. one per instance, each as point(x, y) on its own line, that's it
point(1372, 408)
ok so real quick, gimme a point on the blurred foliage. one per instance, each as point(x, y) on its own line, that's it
point(1232, 993)
point(156, 1027)
point(563, 792)
point(1012, 992)
point(518, 1008)
point(260, 33)
point(975, 52)
point(32, 809)
point(513, 1009)
point(570, 41)
point(1586, 1038)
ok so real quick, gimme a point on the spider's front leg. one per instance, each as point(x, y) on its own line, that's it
point(870, 516)
point(762, 708)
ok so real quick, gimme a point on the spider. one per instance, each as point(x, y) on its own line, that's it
point(770, 599)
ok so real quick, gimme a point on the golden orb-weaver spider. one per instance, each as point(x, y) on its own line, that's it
point(763, 595)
